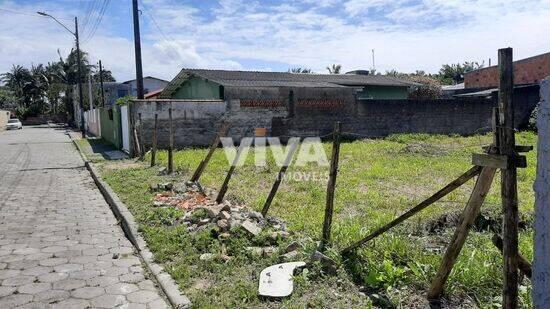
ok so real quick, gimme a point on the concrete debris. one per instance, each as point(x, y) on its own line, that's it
point(328, 264)
point(276, 280)
point(293, 246)
point(261, 251)
point(225, 215)
point(290, 256)
point(201, 212)
point(255, 251)
point(279, 235)
point(223, 224)
point(251, 227)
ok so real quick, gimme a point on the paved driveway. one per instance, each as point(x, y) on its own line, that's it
point(60, 245)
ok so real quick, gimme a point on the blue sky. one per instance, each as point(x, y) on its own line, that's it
point(407, 35)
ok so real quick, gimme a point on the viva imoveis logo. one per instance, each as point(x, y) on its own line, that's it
point(310, 151)
point(307, 151)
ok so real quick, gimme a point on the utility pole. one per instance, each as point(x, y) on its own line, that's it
point(137, 45)
point(101, 83)
point(79, 65)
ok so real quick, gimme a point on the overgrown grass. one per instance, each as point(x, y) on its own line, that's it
point(377, 180)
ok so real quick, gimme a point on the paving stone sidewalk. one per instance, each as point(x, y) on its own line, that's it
point(60, 245)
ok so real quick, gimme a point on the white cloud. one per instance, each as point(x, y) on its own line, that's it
point(406, 36)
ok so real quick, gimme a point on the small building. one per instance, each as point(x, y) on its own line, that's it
point(527, 71)
point(214, 84)
point(150, 84)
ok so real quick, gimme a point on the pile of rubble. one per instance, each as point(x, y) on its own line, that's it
point(201, 210)
point(203, 213)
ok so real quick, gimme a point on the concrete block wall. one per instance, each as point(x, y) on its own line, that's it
point(196, 122)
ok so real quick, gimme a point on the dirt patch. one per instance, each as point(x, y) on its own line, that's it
point(424, 149)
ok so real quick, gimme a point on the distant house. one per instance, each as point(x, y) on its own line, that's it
point(113, 91)
point(213, 84)
point(150, 84)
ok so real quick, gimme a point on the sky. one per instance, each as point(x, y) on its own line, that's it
point(275, 35)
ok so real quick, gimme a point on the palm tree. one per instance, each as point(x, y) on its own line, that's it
point(334, 69)
point(18, 80)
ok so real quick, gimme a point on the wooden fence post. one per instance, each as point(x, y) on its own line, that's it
point(280, 176)
point(198, 172)
point(329, 207)
point(171, 143)
point(482, 187)
point(154, 142)
point(225, 184)
point(508, 178)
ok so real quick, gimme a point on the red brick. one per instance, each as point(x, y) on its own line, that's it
point(526, 71)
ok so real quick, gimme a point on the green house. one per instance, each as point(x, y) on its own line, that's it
point(197, 84)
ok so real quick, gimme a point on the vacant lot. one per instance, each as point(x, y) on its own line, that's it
point(377, 180)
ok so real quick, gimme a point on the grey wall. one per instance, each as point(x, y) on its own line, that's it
point(313, 114)
point(194, 122)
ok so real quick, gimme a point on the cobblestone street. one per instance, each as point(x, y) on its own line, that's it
point(60, 245)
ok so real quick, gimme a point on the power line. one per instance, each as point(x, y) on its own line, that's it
point(89, 11)
point(98, 21)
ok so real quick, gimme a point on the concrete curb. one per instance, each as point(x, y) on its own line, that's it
point(130, 228)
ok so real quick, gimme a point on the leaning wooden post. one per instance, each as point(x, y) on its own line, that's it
point(471, 173)
point(509, 193)
point(482, 187)
point(198, 172)
point(154, 142)
point(329, 207)
point(171, 143)
point(280, 177)
point(225, 184)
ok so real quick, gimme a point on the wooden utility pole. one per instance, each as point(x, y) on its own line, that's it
point(137, 47)
point(79, 70)
point(508, 178)
point(171, 144)
point(101, 84)
point(222, 132)
point(280, 177)
point(329, 207)
point(154, 142)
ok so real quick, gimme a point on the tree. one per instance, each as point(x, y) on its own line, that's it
point(334, 69)
point(454, 73)
point(107, 76)
point(7, 99)
point(300, 70)
point(430, 88)
point(17, 80)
